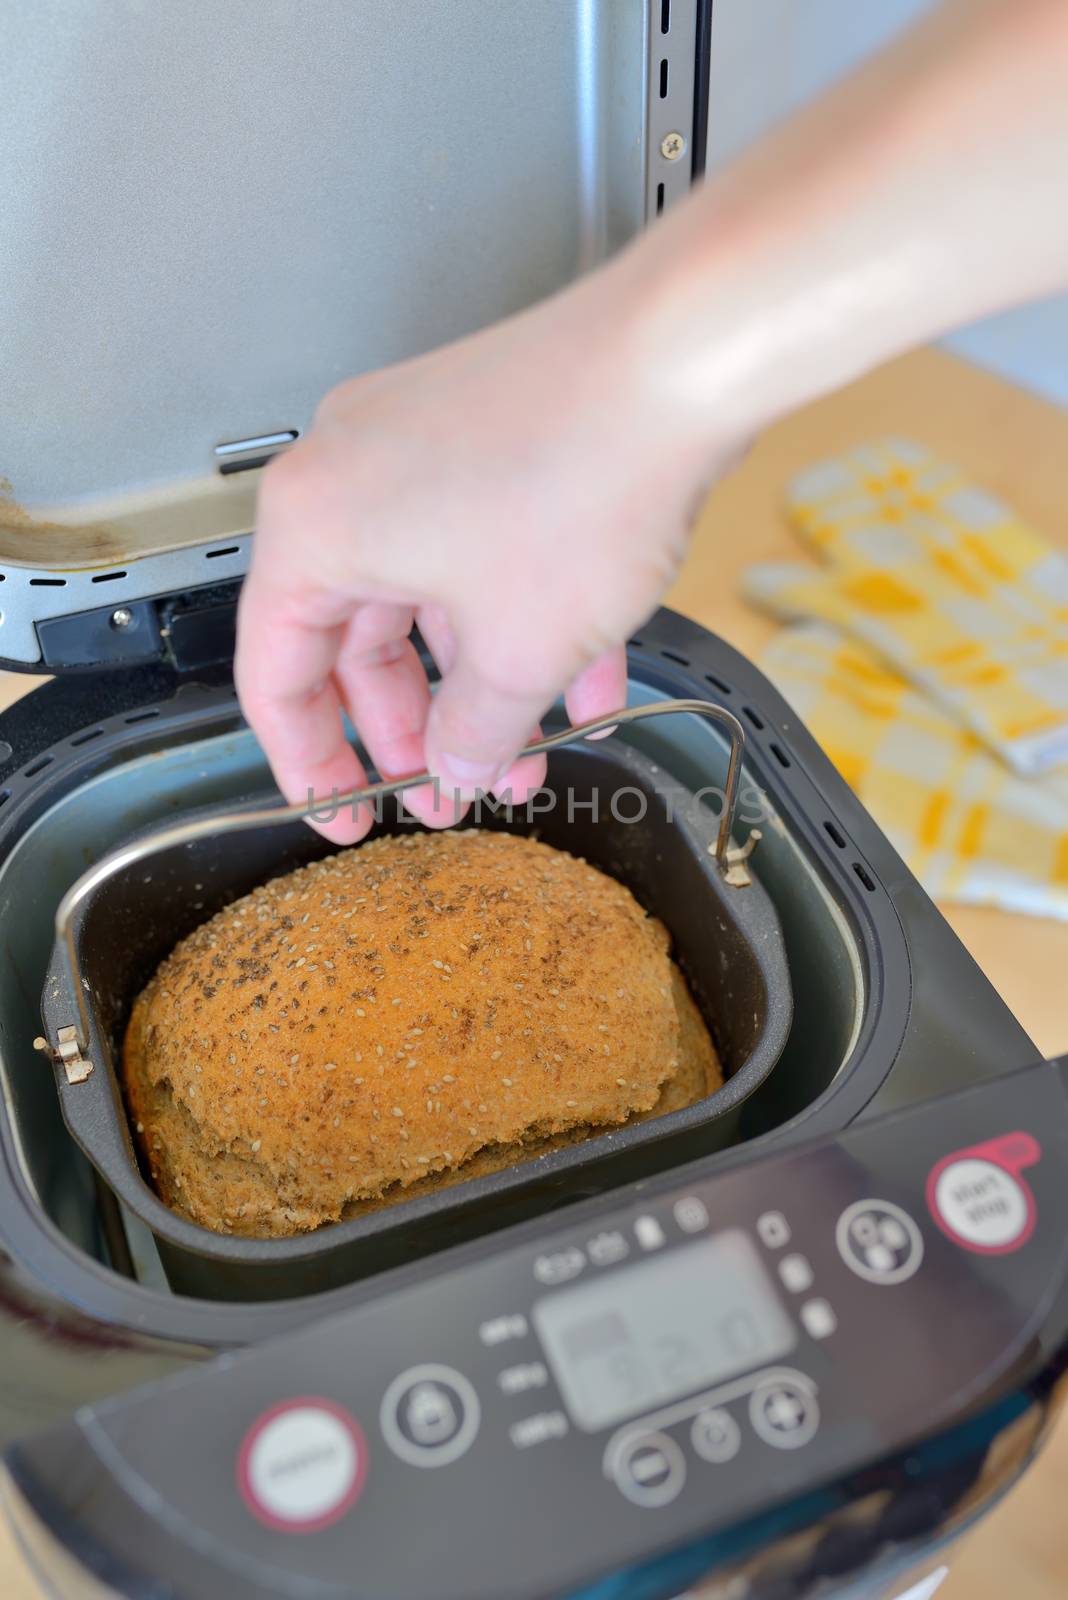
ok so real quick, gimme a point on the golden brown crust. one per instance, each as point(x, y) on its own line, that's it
point(359, 1026)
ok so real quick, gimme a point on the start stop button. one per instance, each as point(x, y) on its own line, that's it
point(978, 1198)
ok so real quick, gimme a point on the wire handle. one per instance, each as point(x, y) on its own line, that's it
point(73, 1040)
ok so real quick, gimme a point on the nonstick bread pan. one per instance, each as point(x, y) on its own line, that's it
point(727, 940)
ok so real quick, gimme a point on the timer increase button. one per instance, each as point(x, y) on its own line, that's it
point(784, 1414)
point(429, 1415)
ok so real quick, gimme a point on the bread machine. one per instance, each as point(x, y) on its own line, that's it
point(798, 1364)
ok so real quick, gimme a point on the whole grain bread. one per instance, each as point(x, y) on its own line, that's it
point(397, 1017)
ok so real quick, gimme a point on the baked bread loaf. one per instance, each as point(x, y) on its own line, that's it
point(399, 1016)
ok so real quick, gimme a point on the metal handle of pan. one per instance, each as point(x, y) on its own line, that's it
point(73, 1039)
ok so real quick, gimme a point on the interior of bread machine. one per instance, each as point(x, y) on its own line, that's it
point(145, 388)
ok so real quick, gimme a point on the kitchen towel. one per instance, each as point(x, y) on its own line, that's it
point(929, 657)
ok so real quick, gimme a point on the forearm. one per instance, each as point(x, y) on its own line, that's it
point(929, 189)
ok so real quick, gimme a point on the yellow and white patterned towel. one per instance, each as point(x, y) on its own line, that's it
point(930, 660)
point(945, 583)
point(972, 831)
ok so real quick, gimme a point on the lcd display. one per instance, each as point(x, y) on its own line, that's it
point(629, 1341)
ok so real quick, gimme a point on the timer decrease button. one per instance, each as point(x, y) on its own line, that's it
point(651, 1470)
point(784, 1414)
point(429, 1416)
point(879, 1242)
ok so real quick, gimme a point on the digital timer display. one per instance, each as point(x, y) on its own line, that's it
point(640, 1338)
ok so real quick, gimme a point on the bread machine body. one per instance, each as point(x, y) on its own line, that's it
point(169, 323)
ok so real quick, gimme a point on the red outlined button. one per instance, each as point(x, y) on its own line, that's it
point(302, 1464)
point(978, 1198)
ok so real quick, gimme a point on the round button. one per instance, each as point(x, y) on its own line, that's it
point(302, 1465)
point(650, 1470)
point(430, 1415)
point(982, 1206)
point(715, 1436)
point(784, 1414)
point(879, 1242)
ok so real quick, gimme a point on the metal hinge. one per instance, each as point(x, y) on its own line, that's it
point(68, 1054)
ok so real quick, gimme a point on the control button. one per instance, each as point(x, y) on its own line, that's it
point(978, 1200)
point(302, 1465)
point(691, 1214)
point(879, 1242)
point(559, 1266)
point(649, 1233)
point(517, 1380)
point(715, 1436)
point(604, 1249)
point(429, 1416)
point(818, 1319)
point(796, 1273)
point(497, 1330)
point(650, 1470)
point(537, 1429)
point(784, 1414)
point(774, 1230)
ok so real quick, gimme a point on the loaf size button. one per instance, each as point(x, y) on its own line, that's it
point(879, 1242)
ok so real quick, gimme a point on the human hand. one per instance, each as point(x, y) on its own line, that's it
point(519, 497)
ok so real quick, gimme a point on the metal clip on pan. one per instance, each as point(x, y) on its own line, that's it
point(72, 1040)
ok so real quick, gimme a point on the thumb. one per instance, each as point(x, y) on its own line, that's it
point(477, 725)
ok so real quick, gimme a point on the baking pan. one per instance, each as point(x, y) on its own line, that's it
point(610, 804)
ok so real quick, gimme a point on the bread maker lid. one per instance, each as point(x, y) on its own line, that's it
point(211, 221)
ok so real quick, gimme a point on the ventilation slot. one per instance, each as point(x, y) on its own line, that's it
point(664, 79)
point(38, 766)
point(84, 738)
point(672, 655)
point(635, 643)
point(242, 455)
point(864, 877)
point(142, 716)
point(108, 577)
point(755, 718)
point(230, 550)
point(832, 833)
point(5, 796)
point(659, 198)
point(48, 583)
point(718, 683)
point(780, 755)
point(665, 16)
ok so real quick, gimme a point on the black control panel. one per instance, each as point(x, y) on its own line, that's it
point(582, 1394)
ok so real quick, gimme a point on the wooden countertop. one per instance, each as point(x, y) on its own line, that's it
point(1017, 446)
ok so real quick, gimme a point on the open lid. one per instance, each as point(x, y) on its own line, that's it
point(215, 213)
